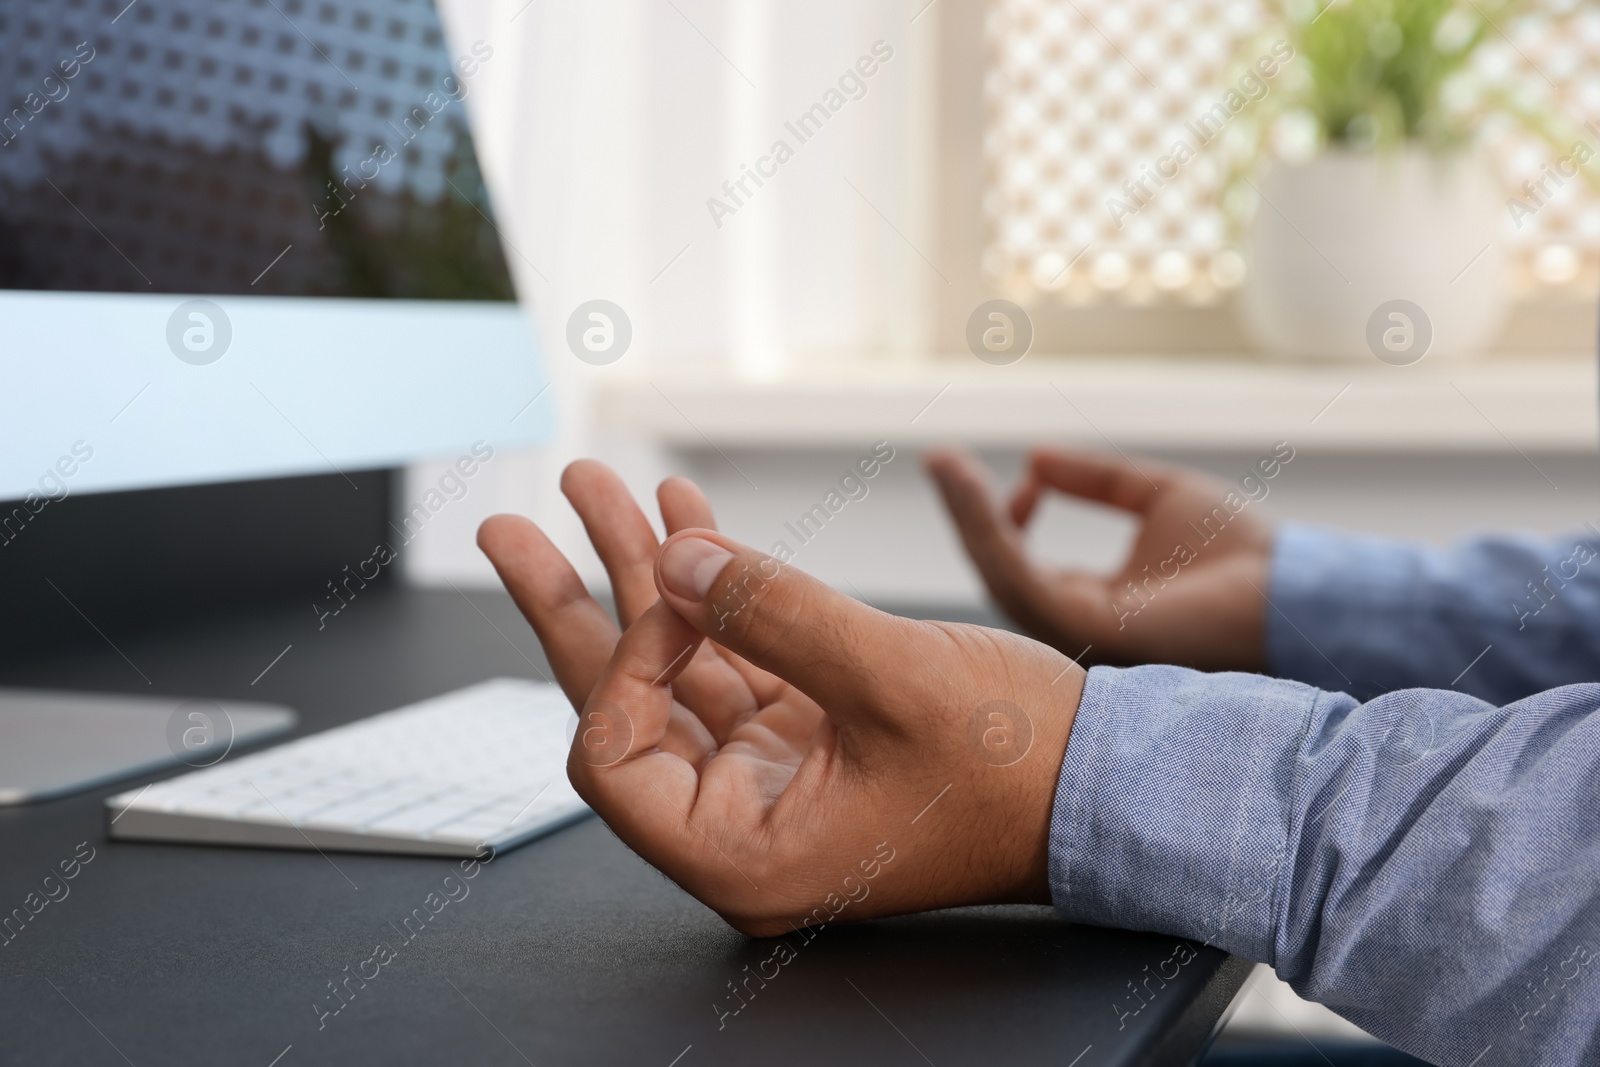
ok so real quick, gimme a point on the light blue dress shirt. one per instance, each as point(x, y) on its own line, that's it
point(1425, 863)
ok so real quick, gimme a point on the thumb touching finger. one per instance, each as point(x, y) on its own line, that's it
point(1117, 482)
point(840, 652)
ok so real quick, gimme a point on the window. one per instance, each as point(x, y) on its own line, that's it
point(1080, 95)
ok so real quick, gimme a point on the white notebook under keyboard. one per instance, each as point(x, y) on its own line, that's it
point(485, 765)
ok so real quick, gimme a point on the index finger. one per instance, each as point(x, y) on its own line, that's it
point(622, 762)
point(992, 541)
point(1116, 482)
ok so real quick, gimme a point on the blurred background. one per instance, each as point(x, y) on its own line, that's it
point(777, 337)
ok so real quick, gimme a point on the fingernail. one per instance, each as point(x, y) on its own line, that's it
point(691, 565)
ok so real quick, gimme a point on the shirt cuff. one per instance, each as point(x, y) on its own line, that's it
point(1174, 805)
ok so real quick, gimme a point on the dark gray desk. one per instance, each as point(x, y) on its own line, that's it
point(567, 951)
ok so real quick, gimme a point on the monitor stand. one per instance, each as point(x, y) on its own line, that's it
point(112, 567)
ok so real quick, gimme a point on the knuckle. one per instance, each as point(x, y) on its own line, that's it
point(635, 554)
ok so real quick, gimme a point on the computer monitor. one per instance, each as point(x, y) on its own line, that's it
point(248, 263)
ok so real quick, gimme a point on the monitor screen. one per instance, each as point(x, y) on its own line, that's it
point(245, 238)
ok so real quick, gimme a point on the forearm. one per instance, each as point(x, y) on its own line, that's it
point(1496, 617)
point(1424, 864)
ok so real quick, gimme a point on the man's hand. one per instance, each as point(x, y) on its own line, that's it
point(1191, 591)
point(788, 755)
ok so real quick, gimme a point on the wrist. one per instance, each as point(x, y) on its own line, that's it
point(1031, 791)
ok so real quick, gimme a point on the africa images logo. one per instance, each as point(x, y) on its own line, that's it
point(199, 332)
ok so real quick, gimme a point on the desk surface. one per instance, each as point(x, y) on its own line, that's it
point(570, 950)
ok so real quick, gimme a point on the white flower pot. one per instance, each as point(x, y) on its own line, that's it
point(1335, 240)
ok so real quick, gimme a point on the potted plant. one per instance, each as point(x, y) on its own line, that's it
point(1363, 190)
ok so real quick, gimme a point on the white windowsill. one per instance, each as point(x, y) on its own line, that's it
point(1537, 403)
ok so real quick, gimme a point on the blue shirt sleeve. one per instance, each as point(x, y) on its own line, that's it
point(1497, 617)
point(1426, 863)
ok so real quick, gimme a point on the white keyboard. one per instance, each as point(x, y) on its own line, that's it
point(485, 765)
